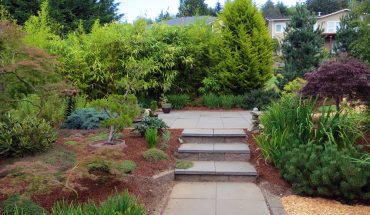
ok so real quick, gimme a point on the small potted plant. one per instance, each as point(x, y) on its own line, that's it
point(166, 106)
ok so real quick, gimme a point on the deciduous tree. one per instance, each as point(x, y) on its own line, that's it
point(339, 78)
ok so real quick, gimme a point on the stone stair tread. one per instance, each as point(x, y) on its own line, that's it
point(235, 148)
point(219, 168)
point(213, 133)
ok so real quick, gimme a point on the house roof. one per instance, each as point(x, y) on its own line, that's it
point(318, 17)
point(189, 20)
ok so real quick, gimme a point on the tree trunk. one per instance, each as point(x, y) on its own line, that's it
point(111, 135)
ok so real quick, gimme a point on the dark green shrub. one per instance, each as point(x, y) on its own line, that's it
point(17, 205)
point(27, 136)
point(179, 101)
point(154, 155)
point(325, 170)
point(149, 122)
point(119, 204)
point(260, 99)
point(151, 137)
point(85, 118)
point(211, 100)
point(127, 166)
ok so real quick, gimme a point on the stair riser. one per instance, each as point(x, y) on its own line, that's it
point(214, 139)
point(213, 157)
point(214, 178)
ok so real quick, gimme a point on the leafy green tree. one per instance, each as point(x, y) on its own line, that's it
point(302, 46)
point(284, 10)
point(121, 110)
point(243, 51)
point(360, 46)
point(326, 6)
point(21, 10)
point(269, 10)
point(193, 8)
point(347, 32)
point(163, 16)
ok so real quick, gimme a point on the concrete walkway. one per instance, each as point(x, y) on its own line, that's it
point(208, 119)
point(216, 198)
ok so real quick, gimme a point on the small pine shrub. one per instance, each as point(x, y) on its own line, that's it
point(149, 122)
point(179, 101)
point(326, 171)
point(85, 118)
point(27, 136)
point(151, 136)
point(127, 166)
point(211, 101)
point(17, 205)
point(154, 155)
point(260, 99)
point(119, 204)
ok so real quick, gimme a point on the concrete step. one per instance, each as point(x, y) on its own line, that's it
point(214, 152)
point(213, 135)
point(217, 171)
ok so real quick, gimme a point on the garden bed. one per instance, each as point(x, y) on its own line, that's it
point(72, 148)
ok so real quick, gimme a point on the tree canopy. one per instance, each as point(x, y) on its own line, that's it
point(273, 11)
point(244, 60)
point(302, 46)
point(345, 76)
point(326, 6)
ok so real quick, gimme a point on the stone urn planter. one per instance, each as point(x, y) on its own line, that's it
point(166, 108)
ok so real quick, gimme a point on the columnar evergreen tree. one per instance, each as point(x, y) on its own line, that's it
point(302, 46)
point(244, 60)
point(193, 8)
point(326, 6)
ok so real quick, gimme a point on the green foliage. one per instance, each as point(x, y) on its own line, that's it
point(154, 155)
point(17, 205)
point(149, 122)
point(85, 118)
point(315, 151)
point(327, 171)
point(48, 108)
point(179, 101)
point(302, 46)
point(211, 100)
point(227, 101)
point(127, 166)
point(294, 86)
point(21, 10)
point(151, 137)
point(259, 98)
point(121, 111)
point(166, 137)
point(118, 204)
point(193, 8)
point(27, 136)
point(184, 164)
point(244, 57)
point(326, 6)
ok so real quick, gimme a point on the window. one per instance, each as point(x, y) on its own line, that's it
point(280, 28)
point(332, 26)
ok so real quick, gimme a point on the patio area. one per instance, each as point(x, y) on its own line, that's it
point(208, 119)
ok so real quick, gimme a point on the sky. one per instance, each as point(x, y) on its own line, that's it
point(152, 8)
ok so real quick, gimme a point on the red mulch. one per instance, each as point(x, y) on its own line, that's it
point(266, 171)
point(140, 183)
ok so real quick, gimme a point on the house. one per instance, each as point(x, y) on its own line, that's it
point(329, 23)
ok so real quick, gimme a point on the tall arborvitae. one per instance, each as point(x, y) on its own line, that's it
point(244, 50)
point(302, 46)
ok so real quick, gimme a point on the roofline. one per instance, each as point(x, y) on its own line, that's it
point(318, 17)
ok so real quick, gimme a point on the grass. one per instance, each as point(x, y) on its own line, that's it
point(184, 164)
point(325, 109)
point(70, 143)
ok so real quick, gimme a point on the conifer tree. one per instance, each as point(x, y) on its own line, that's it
point(245, 49)
point(193, 8)
point(302, 46)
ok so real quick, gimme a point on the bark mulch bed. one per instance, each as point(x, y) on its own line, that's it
point(268, 175)
point(140, 183)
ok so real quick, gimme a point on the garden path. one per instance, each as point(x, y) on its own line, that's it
point(208, 119)
point(207, 188)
